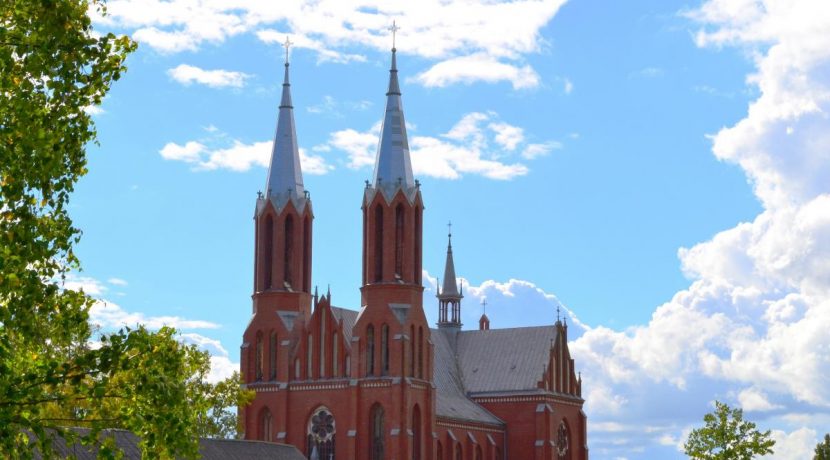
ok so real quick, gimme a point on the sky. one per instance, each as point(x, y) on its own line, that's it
point(659, 170)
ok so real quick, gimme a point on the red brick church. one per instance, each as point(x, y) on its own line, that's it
point(377, 382)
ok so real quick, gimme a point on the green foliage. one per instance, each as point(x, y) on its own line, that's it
point(727, 436)
point(52, 68)
point(823, 449)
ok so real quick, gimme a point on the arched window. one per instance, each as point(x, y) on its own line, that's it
point(479, 455)
point(440, 452)
point(378, 243)
point(562, 441)
point(370, 350)
point(399, 221)
point(297, 369)
point(412, 356)
point(266, 425)
point(498, 453)
point(376, 432)
point(416, 433)
point(420, 352)
point(259, 356)
point(272, 356)
point(384, 349)
point(320, 435)
point(307, 255)
point(268, 253)
point(459, 455)
point(288, 249)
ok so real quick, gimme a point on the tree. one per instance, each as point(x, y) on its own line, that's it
point(727, 436)
point(823, 449)
point(52, 69)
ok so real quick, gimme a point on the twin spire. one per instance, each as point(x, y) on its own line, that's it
point(285, 176)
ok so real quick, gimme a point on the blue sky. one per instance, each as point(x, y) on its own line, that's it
point(659, 168)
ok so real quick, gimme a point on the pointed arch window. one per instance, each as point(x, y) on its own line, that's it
point(416, 275)
point(440, 452)
point(288, 250)
point(420, 352)
point(376, 431)
point(459, 454)
point(259, 357)
point(479, 454)
point(320, 435)
point(562, 441)
point(268, 253)
point(412, 356)
point(384, 349)
point(272, 356)
point(378, 243)
point(399, 226)
point(266, 425)
point(370, 350)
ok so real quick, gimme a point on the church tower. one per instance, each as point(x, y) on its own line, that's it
point(282, 257)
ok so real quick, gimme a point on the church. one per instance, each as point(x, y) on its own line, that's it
point(377, 382)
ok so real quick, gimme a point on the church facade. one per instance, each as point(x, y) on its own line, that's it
point(378, 382)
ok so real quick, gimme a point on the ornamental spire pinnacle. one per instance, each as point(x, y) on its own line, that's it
point(450, 288)
point(392, 164)
point(284, 173)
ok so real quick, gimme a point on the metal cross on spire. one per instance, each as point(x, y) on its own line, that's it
point(449, 229)
point(394, 28)
point(557, 313)
point(484, 305)
point(287, 45)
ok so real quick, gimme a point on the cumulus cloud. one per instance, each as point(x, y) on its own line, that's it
point(110, 315)
point(471, 41)
point(479, 144)
point(238, 157)
point(188, 74)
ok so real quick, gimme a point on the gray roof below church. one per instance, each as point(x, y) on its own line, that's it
point(451, 399)
point(209, 449)
point(498, 360)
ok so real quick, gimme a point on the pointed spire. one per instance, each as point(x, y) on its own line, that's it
point(393, 165)
point(284, 173)
point(450, 284)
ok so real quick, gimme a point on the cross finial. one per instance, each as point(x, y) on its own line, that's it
point(449, 229)
point(484, 305)
point(557, 313)
point(394, 28)
point(287, 45)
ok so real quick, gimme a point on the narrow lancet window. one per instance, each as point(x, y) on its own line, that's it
point(378, 243)
point(288, 250)
point(268, 253)
point(399, 221)
point(384, 349)
point(370, 350)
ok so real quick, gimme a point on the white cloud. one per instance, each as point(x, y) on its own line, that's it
point(568, 86)
point(471, 41)
point(753, 399)
point(188, 74)
point(110, 315)
point(465, 149)
point(797, 445)
point(90, 286)
point(477, 67)
point(117, 281)
point(238, 157)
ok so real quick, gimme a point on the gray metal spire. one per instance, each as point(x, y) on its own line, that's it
point(392, 165)
point(284, 173)
point(450, 288)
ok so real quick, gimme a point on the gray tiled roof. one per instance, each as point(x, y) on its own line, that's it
point(349, 317)
point(451, 400)
point(231, 449)
point(503, 359)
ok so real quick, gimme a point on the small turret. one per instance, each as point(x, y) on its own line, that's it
point(449, 298)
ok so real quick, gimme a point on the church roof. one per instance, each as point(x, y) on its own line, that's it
point(284, 172)
point(231, 449)
point(349, 318)
point(451, 399)
point(503, 360)
point(392, 163)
